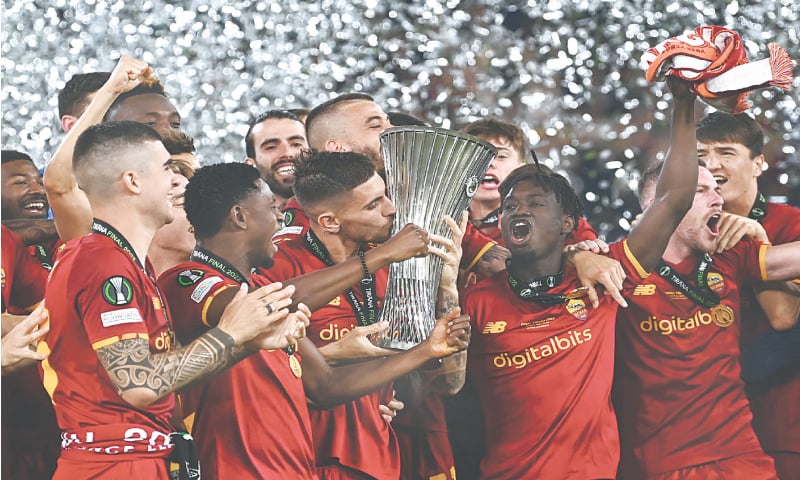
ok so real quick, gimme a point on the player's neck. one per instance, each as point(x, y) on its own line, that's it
point(164, 258)
point(743, 203)
point(229, 248)
point(528, 268)
point(339, 248)
point(137, 231)
point(480, 209)
point(280, 200)
point(678, 251)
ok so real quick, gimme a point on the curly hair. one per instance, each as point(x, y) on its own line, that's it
point(549, 181)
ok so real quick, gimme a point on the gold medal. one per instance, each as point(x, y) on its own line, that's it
point(723, 315)
point(294, 364)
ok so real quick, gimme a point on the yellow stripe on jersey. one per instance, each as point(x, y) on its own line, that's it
point(50, 379)
point(638, 266)
point(207, 305)
point(111, 341)
point(480, 254)
point(762, 260)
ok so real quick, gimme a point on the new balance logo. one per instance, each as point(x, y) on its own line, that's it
point(494, 327)
point(645, 290)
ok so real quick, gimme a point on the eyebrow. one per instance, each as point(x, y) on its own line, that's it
point(377, 198)
point(277, 139)
point(373, 118)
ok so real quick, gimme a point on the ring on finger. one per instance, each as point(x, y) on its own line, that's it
point(269, 308)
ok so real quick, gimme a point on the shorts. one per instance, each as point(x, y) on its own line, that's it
point(149, 468)
point(425, 455)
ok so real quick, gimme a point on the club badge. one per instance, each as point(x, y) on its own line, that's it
point(117, 291)
point(187, 278)
point(577, 308)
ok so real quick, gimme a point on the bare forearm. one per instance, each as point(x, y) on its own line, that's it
point(317, 288)
point(449, 378)
point(780, 303)
point(142, 377)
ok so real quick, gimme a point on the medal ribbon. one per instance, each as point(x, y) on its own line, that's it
point(102, 228)
point(366, 312)
point(530, 291)
point(759, 208)
point(701, 295)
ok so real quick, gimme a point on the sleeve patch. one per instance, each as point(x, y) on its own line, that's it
point(203, 288)
point(117, 291)
point(297, 230)
point(118, 317)
point(187, 278)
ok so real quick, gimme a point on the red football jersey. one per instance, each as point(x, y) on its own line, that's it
point(98, 295)
point(776, 407)
point(23, 278)
point(678, 391)
point(543, 375)
point(474, 244)
point(425, 450)
point(352, 434)
point(30, 434)
point(238, 436)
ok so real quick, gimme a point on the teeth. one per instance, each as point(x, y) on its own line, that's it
point(285, 170)
point(36, 205)
point(720, 179)
point(519, 223)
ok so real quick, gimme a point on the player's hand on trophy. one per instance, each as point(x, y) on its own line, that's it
point(251, 314)
point(450, 335)
point(411, 241)
point(356, 345)
point(450, 250)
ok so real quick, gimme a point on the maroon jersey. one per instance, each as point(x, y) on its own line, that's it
point(30, 434)
point(99, 294)
point(775, 406)
point(353, 434)
point(425, 450)
point(236, 435)
point(474, 244)
point(23, 278)
point(543, 375)
point(678, 391)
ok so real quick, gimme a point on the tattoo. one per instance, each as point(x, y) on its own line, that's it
point(449, 378)
point(130, 364)
point(493, 261)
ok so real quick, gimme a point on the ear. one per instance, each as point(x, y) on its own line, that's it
point(67, 122)
point(758, 165)
point(567, 225)
point(238, 217)
point(250, 161)
point(131, 182)
point(334, 146)
point(329, 222)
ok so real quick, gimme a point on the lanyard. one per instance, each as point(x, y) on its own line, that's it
point(530, 291)
point(702, 295)
point(102, 228)
point(759, 208)
point(201, 255)
point(366, 312)
point(490, 220)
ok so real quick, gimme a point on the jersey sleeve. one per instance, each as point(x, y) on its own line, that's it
point(474, 245)
point(190, 293)
point(634, 272)
point(23, 277)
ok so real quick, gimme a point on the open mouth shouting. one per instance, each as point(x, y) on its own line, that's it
point(490, 182)
point(520, 231)
point(713, 223)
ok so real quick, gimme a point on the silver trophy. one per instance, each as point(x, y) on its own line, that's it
point(431, 172)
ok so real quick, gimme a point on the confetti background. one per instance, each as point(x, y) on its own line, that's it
point(566, 71)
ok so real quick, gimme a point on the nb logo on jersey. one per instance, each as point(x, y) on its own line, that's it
point(336, 301)
point(494, 327)
point(645, 290)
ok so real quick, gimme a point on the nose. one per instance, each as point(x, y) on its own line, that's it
point(390, 209)
point(37, 186)
point(712, 161)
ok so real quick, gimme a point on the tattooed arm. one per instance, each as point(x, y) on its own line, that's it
point(493, 261)
point(142, 378)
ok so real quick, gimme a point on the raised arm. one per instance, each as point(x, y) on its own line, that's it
point(676, 185)
point(71, 210)
point(142, 377)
